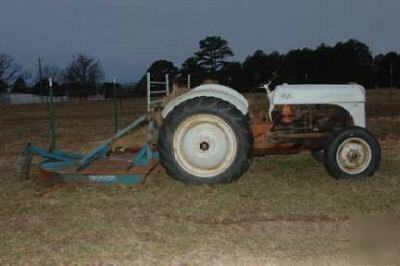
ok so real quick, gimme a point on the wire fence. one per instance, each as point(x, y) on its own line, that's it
point(27, 98)
point(96, 115)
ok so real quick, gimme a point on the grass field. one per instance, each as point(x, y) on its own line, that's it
point(286, 209)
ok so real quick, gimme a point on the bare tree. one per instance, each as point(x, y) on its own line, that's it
point(83, 72)
point(9, 70)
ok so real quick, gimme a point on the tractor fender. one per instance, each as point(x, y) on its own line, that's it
point(210, 90)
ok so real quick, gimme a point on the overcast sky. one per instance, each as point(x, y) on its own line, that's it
point(127, 35)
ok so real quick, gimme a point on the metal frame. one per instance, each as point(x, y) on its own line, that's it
point(152, 103)
point(159, 93)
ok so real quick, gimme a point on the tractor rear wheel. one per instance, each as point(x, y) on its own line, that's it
point(205, 140)
point(352, 153)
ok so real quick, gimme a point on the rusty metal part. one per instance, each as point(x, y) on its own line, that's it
point(261, 134)
point(311, 135)
point(268, 141)
point(287, 114)
point(264, 143)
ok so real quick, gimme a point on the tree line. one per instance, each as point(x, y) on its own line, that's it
point(344, 62)
point(80, 78)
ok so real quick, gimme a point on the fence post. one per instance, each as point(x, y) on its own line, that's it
point(167, 83)
point(52, 122)
point(189, 82)
point(115, 106)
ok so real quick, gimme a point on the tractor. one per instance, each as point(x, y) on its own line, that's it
point(208, 135)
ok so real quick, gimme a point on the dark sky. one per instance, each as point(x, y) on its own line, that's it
point(127, 35)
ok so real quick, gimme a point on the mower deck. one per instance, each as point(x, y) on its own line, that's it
point(117, 169)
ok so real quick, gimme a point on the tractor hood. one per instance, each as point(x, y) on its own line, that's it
point(318, 94)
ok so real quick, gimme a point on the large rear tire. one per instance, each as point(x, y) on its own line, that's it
point(352, 153)
point(205, 140)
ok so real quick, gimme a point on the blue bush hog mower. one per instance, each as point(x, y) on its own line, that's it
point(102, 165)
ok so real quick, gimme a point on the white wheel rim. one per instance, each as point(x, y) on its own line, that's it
point(353, 156)
point(204, 145)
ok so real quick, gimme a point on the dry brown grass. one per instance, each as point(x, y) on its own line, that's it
point(285, 210)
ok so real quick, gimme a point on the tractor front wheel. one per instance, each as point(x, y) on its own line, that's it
point(352, 153)
point(205, 140)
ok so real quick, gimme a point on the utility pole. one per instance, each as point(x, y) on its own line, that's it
point(40, 78)
point(391, 82)
point(115, 110)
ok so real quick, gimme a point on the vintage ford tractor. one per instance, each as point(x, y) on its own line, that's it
point(211, 133)
point(208, 135)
